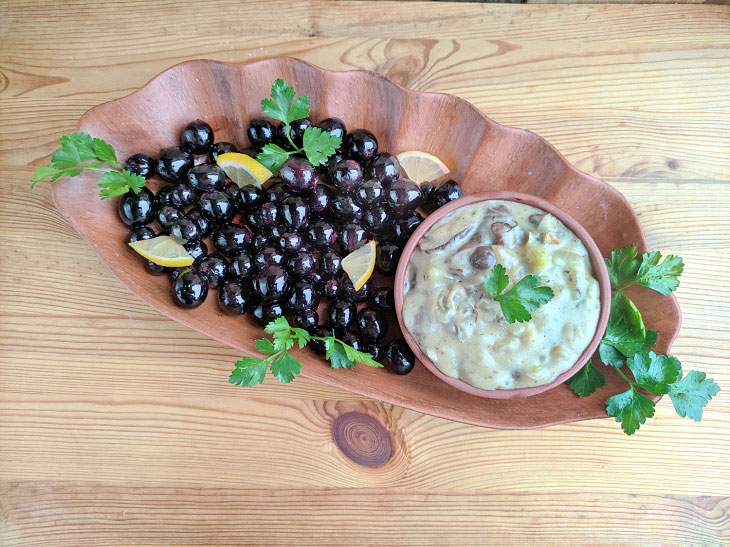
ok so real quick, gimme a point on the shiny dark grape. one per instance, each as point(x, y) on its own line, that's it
point(399, 357)
point(298, 175)
point(234, 192)
point(221, 148)
point(266, 312)
point(251, 151)
point(167, 215)
point(276, 193)
point(347, 176)
point(360, 145)
point(259, 241)
point(328, 168)
point(197, 249)
point(427, 189)
point(352, 339)
point(317, 346)
point(185, 229)
point(272, 282)
point(141, 164)
point(205, 178)
point(321, 234)
point(165, 197)
point(348, 292)
point(190, 289)
point(387, 256)
point(333, 126)
point(341, 314)
point(296, 132)
point(372, 323)
point(331, 288)
point(177, 272)
point(306, 319)
point(317, 280)
point(404, 195)
point(352, 236)
point(346, 209)
point(174, 163)
point(274, 232)
point(302, 264)
point(217, 206)
point(329, 263)
point(206, 227)
point(378, 218)
point(232, 238)
point(201, 159)
point(268, 256)
point(197, 137)
point(445, 192)
point(140, 233)
point(376, 350)
point(214, 267)
point(406, 226)
point(383, 299)
point(370, 192)
point(242, 265)
point(319, 201)
point(384, 168)
point(290, 242)
point(268, 214)
point(261, 131)
point(249, 197)
point(154, 269)
point(137, 209)
point(233, 297)
point(304, 297)
point(295, 212)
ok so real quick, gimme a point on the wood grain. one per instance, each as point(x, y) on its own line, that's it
point(105, 441)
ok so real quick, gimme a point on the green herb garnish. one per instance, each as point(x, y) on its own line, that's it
point(250, 371)
point(627, 342)
point(525, 296)
point(80, 152)
point(317, 145)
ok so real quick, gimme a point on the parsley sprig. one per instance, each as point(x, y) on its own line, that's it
point(251, 371)
point(317, 145)
point(627, 342)
point(80, 152)
point(524, 297)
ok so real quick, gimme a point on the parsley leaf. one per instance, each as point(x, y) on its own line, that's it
point(587, 381)
point(285, 368)
point(280, 106)
point(75, 149)
point(115, 183)
point(265, 346)
point(661, 277)
point(249, 372)
point(525, 296)
point(625, 332)
point(655, 372)
point(104, 151)
point(319, 145)
point(272, 157)
point(285, 336)
point(631, 408)
point(336, 354)
point(359, 356)
point(610, 355)
point(692, 393)
point(623, 265)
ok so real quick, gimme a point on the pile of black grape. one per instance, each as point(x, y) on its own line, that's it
point(276, 251)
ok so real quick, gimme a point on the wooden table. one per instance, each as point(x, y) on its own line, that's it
point(118, 425)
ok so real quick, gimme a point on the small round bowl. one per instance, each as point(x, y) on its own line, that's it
point(599, 271)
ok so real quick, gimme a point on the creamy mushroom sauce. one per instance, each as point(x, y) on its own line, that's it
point(461, 328)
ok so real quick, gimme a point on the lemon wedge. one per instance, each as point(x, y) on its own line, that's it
point(163, 251)
point(243, 169)
point(359, 264)
point(421, 166)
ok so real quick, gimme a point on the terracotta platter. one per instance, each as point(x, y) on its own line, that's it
point(482, 154)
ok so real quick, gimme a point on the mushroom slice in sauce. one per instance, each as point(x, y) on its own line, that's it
point(447, 234)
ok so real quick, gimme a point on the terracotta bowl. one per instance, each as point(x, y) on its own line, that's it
point(599, 272)
point(483, 156)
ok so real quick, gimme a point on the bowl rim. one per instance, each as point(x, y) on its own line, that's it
point(600, 272)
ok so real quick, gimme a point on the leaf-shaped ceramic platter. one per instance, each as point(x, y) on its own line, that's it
point(482, 154)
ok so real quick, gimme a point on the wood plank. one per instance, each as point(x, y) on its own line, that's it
point(89, 513)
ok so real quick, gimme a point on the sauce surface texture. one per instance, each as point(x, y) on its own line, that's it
point(461, 328)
